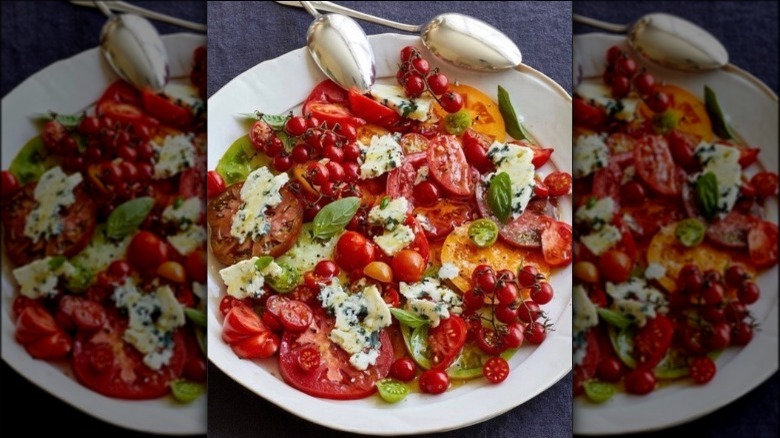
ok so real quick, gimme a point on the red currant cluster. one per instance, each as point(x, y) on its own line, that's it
point(622, 73)
point(416, 76)
point(511, 318)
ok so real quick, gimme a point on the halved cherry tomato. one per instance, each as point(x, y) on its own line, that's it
point(228, 302)
point(558, 183)
point(413, 143)
point(309, 359)
point(496, 369)
point(588, 115)
point(9, 184)
point(86, 315)
point(606, 181)
point(165, 110)
point(54, 346)
point(654, 164)
point(445, 216)
point(447, 164)
point(34, 323)
point(295, 316)
point(682, 146)
point(196, 264)
point(653, 340)
point(259, 346)
point(541, 155)
point(446, 340)
point(333, 114)
point(241, 322)
point(370, 110)
point(489, 341)
point(334, 377)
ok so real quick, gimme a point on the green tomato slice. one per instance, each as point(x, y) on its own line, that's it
point(286, 281)
point(599, 392)
point(458, 123)
point(690, 232)
point(391, 390)
point(240, 160)
point(483, 232)
point(32, 161)
point(185, 391)
point(623, 344)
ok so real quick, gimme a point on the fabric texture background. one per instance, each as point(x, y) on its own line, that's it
point(749, 32)
point(242, 35)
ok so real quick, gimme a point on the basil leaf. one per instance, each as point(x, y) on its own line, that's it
point(408, 319)
point(128, 216)
point(276, 122)
point(499, 196)
point(70, 121)
point(719, 125)
point(198, 317)
point(706, 192)
point(334, 217)
point(288, 141)
point(613, 318)
point(513, 125)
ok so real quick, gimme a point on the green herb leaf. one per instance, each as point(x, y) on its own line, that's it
point(198, 317)
point(384, 202)
point(276, 122)
point(408, 319)
point(334, 217)
point(499, 196)
point(613, 318)
point(69, 121)
point(288, 141)
point(690, 232)
point(513, 125)
point(185, 391)
point(263, 262)
point(719, 125)
point(706, 192)
point(128, 217)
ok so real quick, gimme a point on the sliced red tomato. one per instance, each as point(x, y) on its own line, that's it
point(653, 340)
point(654, 164)
point(527, 231)
point(762, 244)
point(326, 91)
point(333, 114)
point(121, 91)
point(333, 377)
point(54, 346)
point(103, 362)
point(192, 183)
point(445, 216)
point(732, 230)
point(165, 110)
point(260, 346)
point(606, 181)
point(447, 164)
point(541, 155)
point(413, 143)
point(682, 146)
point(588, 115)
point(370, 110)
point(84, 314)
point(34, 323)
point(557, 243)
point(400, 181)
point(445, 341)
point(241, 322)
point(420, 242)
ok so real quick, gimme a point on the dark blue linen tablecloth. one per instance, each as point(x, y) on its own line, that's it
point(749, 32)
point(242, 35)
point(35, 34)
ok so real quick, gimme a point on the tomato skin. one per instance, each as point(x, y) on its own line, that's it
point(86, 315)
point(490, 342)
point(762, 244)
point(615, 266)
point(147, 251)
point(260, 346)
point(765, 184)
point(588, 115)
point(653, 340)
point(354, 251)
point(403, 369)
point(558, 183)
point(54, 346)
point(370, 110)
point(557, 243)
point(165, 110)
point(475, 146)
point(748, 156)
point(34, 323)
point(9, 183)
point(240, 323)
point(215, 183)
point(682, 146)
point(640, 381)
point(195, 369)
point(408, 265)
point(654, 164)
point(295, 316)
point(448, 166)
point(446, 340)
point(434, 381)
point(703, 369)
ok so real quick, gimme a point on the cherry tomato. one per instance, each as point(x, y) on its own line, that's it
point(610, 369)
point(640, 381)
point(528, 275)
point(484, 277)
point(34, 322)
point(354, 251)
point(473, 300)
point(446, 340)
point(409, 53)
point(147, 251)
point(621, 86)
point(403, 369)
point(54, 346)
point(748, 292)
point(506, 292)
point(241, 322)
point(438, 83)
point(588, 115)
point(615, 266)
point(496, 369)
point(690, 278)
point(741, 334)
point(426, 193)
point(536, 333)
point(762, 244)
point(703, 369)
point(717, 336)
point(644, 83)
point(625, 66)
point(216, 185)
point(309, 359)
point(558, 183)
point(489, 341)
point(228, 302)
point(543, 293)
point(451, 102)
point(295, 316)
point(632, 193)
point(282, 163)
point(414, 85)
point(658, 101)
point(408, 265)
point(513, 338)
point(296, 126)
point(475, 146)
point(259, 346)
point(682, 145)
point(196, 265)
point(765, 184)
point(9, 184)
point(434, 381)
point(83, 314)
point(528, 311)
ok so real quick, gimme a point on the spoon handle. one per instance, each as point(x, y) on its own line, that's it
point(332, 7)
point(121, 6)
point(619, 28)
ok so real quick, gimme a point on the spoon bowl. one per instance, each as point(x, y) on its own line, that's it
point(669, 41)
point(134, 50)
point(341, 50)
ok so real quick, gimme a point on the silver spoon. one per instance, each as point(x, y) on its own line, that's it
point(134, 50)
point(459, 39)
point(669, 41)
point(341, 50)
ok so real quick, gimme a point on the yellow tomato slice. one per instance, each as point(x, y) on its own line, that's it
point(694, 118)
point(461, 252)
point(365, 132)
point(665, 250)
point(485, 116)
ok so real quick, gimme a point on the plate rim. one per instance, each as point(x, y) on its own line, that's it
point(771, 318)
point(69, 391)
point(564, 319)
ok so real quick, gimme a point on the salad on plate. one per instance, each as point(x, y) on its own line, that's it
point(387, 242)
point(103, 216)
point(673, 227)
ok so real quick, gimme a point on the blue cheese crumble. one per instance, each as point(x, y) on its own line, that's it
point(585, 317)
point(244, 280)
point(393, 96)
point(381, 156)
point(175, 155)
point(596, 214)
point(360, 317)
point(517, 162)
point(391, 215)
point(391, 242)
point(188, 240)
point(39, 278)
point(723, 162)
point(590, 155)
point(637, 300)
point(183, 213)
point(602, 240)
point(448, 271)
point(431, 300)
point(53, 192)
point(259, 192)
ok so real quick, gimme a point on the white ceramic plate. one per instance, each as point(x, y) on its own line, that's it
point(281, 85)
point(70, 86)
point(752, 110)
